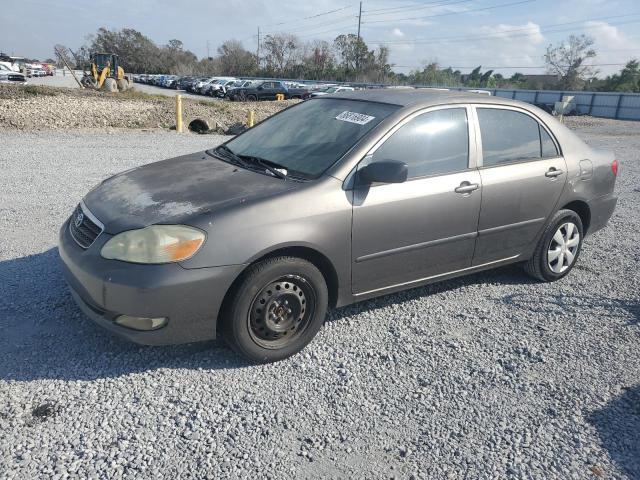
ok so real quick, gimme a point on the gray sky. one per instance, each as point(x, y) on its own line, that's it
point(494, 33)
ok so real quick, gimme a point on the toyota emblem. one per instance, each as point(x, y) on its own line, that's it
point(78, 220)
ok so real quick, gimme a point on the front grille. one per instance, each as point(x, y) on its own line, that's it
point(83, 229)
point(15, 78)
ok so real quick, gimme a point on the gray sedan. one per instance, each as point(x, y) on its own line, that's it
point(332, 201)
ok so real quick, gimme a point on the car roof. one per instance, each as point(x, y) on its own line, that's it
point(420, 97)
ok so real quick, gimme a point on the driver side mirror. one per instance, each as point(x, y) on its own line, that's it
point(385, 171)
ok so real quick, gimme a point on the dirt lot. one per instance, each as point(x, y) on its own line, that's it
point(51, 108)
point(487, 376)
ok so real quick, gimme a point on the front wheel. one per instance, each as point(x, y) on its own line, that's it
point(276, 310)
point(558, 249)
point(110, 85)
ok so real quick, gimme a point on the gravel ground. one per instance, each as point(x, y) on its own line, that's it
point(38, 107)
point(488, 376)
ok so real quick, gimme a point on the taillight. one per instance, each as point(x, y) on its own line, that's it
point(614, 167)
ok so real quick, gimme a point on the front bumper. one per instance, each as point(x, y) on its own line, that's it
point(105, 289)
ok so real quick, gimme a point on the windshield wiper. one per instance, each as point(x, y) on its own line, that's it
point(229, 154)
point(272, 167)
point(247, 160)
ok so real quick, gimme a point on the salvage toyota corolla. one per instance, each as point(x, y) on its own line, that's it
point(330, 202)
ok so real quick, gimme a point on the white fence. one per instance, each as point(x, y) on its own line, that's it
point(622, 106)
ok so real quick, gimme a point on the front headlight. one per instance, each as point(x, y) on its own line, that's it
point(154, 244)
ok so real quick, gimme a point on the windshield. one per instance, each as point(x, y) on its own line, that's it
point(331, 90)
point(310, 137)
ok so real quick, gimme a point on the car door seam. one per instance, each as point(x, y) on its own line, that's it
point(416, 246)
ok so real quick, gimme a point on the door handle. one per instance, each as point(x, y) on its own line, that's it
point(466, 187)
point(553, 172)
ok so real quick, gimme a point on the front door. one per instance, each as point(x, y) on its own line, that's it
point(426, 226)
point(522, 174)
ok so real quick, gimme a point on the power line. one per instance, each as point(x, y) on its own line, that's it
point(410, 6)
point(405, 9)
point(314, 26)
point(345, 27)
point(507, 32)
point(329, 12)
point(452, 13)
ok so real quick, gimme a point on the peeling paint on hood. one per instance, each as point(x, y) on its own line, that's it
point(175, 190)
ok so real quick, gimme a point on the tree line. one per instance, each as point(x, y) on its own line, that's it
point(348, 59)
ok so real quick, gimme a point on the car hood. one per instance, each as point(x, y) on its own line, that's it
point(175, 190)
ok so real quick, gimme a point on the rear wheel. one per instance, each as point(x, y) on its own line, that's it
point(110, 85)
point(276, 310)
point(252, 98)
point(558, 249)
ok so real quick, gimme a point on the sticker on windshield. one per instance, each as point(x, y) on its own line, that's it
point(353, 117)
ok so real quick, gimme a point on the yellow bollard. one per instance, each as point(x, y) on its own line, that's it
point(280, 96)
point(251, 118)
point(179, 113)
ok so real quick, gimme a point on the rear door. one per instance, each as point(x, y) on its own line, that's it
point(523, 174)
point(270, 90)
point(406, 232)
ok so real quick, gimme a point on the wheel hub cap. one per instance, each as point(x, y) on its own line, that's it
point(563, 247)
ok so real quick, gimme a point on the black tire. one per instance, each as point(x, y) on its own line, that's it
point(110, 85)
point(276, 310)
point(538, 266)
point(89, 82)
point(252, 98)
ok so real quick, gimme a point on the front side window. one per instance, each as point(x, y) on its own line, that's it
point(310, 137)
point(433, 143)
point(510, 136)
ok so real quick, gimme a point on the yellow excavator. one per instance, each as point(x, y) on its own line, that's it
point(106, 74)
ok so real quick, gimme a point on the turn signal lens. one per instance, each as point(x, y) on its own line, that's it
point(614, 167)
point(155, 244)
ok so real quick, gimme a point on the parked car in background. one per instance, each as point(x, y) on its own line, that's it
point(219, 88)
point(265, 90)
point(259, 90)
point(10, 76)
point(333, 201)
point(203, 84)
point(184, 81)
point(239, 84)
point(330, 90)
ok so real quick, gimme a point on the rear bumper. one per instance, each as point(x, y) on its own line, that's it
point(601, 210)
point(105, 289)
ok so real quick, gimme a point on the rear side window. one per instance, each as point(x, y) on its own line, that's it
point(510, 136)
point(433, 143)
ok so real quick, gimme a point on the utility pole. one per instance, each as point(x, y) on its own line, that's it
point(258, 50)
point(359, 20)
point(358, 45)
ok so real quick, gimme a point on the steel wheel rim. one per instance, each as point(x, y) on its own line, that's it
point(281, 311)
point(563, 247)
